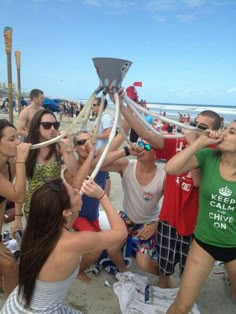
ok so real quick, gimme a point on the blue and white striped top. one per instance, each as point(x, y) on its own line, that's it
point(48, 297)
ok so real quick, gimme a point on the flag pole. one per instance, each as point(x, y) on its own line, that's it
point(18, 63)
point(8, 45)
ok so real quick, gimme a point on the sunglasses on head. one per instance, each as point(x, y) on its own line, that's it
point(48, 125)
point(146, 146)
point(200, 126)
point(56, 187)
point(81, 142)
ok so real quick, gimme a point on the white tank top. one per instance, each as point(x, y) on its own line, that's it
point(141, 202)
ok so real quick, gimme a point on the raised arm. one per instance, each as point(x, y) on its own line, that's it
point(140, 129)
point(84, 169)
point(15, 192)
point(67, 152)
point(185, 160)
point(89, 241)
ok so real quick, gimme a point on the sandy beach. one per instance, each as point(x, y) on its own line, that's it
point(96, 298)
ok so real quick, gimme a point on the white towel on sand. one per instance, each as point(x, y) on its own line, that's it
point(130, 290)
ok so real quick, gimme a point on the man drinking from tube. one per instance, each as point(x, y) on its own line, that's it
point(179, 212)
point(180, 204)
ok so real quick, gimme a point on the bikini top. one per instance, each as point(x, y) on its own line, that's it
point(2, 198)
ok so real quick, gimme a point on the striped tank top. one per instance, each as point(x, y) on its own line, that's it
point(48, 297)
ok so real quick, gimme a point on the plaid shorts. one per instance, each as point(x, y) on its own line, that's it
point(172, 248)
point(148, 246)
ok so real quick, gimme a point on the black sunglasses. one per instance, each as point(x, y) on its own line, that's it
point(146, 146)
point(94, 105)
point(81, 142)
point(48, 125)
point(56, 187)
point(200, 126)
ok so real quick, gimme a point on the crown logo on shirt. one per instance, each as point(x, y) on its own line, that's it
point(225, 191)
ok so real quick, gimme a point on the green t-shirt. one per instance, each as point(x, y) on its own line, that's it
point(216, 223)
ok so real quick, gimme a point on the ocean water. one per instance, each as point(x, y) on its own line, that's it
point(172, 110)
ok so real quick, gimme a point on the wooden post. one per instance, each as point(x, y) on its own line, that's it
point(18, 63)
point(8, 45)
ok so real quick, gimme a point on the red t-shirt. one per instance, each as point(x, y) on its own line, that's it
point(180, 203)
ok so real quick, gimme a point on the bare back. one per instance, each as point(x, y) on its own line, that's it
point(25, 118)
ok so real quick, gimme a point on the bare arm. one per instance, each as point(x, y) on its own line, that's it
point(84, 170)
point(140, 129)
point(120, 153)
point(17, 223)
point(16, 192)
point(105, 134)
point(185, 160)
point(68, 155)
point(118, 140)
point(89, 241)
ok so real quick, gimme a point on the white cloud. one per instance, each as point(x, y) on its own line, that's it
point(231, 90)
point(161, 5)
point(107, 4)
point(194, 3)
point(186, 18)
point(96, 3)
point(224, 2)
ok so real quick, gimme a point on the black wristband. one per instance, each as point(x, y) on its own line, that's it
point(126, 149)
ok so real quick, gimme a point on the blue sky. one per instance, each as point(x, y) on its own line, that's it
point(184, 51)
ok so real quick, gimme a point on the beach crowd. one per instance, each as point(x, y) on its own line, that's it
point(179, 212)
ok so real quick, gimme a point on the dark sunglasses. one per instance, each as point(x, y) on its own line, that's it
point(146, 146)
point(56, 187)
point(94, 105)
point(81, 142)
point(200, 126)
point(48, 125)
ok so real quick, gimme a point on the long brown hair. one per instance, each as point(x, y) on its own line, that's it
point(43, 230)
point(33, 138)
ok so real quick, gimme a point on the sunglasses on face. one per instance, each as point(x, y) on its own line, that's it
point(94, 105)
point(146, 146)
point(200, 126)
point(48, 125)
point(81, 142)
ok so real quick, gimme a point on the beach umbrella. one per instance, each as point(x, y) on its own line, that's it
point(51, 104)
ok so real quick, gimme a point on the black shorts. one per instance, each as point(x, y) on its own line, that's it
point(222, 254)
point(172, 248)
